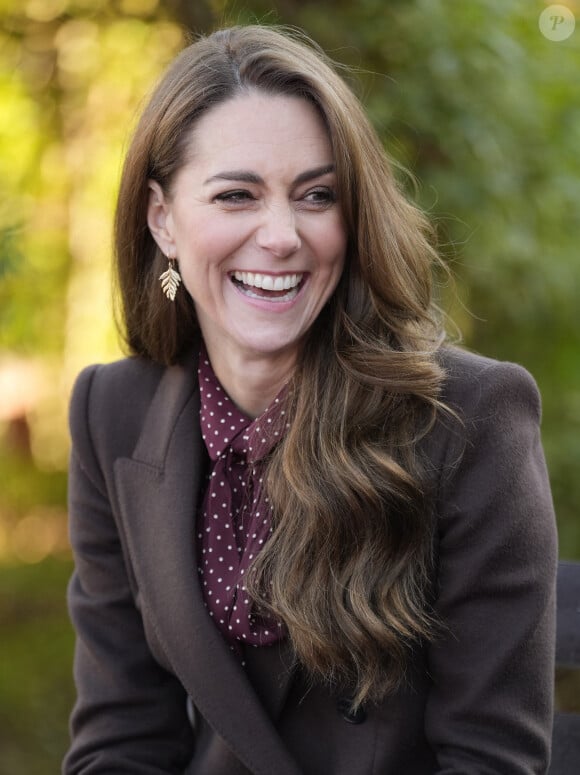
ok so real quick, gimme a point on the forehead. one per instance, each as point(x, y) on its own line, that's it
point(258, 128)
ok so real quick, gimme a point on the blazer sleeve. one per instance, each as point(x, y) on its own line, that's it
point(490, 709)
point(130, 715)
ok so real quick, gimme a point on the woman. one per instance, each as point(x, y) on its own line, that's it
point(309, 537)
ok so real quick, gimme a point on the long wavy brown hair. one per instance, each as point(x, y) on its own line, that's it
point(348, 566)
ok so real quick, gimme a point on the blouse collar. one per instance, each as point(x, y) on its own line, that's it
point(224, 426)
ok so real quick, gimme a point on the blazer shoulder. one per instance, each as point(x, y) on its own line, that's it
point(110, 401)
point(474, 381)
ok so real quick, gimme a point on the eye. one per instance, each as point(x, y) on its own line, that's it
point(236, 197)
point(320, 197)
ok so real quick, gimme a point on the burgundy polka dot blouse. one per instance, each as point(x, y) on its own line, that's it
point(234, 519)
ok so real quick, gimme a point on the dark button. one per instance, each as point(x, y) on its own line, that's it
point(344, 707)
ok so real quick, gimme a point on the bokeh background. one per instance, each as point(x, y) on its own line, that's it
point(471, 98)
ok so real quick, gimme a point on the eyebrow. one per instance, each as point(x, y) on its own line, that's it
point(244, 176)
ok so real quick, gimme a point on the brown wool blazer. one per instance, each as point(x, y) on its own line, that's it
point(160, 692)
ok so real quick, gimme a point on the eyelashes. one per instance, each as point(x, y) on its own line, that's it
point(322, 195)
point(317, 198)
point(234, 197)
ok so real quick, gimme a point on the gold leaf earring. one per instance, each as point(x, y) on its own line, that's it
point(170, 280)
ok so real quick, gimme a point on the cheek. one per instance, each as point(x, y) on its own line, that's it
point(205, 236)
point(336, 254)
point(333, 242)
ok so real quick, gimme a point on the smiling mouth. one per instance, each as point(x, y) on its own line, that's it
point(264, 286)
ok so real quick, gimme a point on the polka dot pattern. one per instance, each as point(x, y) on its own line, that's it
point(234, 520)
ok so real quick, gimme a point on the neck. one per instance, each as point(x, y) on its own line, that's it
point(252, 382)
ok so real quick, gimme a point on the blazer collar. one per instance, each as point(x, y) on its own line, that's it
point(158, 494)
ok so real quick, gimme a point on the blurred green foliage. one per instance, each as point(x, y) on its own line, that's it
point(481, 108)
point(35, 664)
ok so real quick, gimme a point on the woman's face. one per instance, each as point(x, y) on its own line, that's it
point(254, 222)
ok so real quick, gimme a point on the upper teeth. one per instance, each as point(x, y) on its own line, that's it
point(268, 282)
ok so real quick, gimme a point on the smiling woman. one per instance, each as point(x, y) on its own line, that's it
point(261, 248)
point(310, 536)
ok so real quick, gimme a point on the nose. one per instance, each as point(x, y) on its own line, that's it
point(277, 232)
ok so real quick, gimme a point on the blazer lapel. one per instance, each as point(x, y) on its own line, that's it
point(158, 492)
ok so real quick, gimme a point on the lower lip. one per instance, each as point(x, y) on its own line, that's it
point(270, 305)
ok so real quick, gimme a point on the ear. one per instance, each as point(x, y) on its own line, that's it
point(159, 219)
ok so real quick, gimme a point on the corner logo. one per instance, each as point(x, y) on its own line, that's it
point(557, 22)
